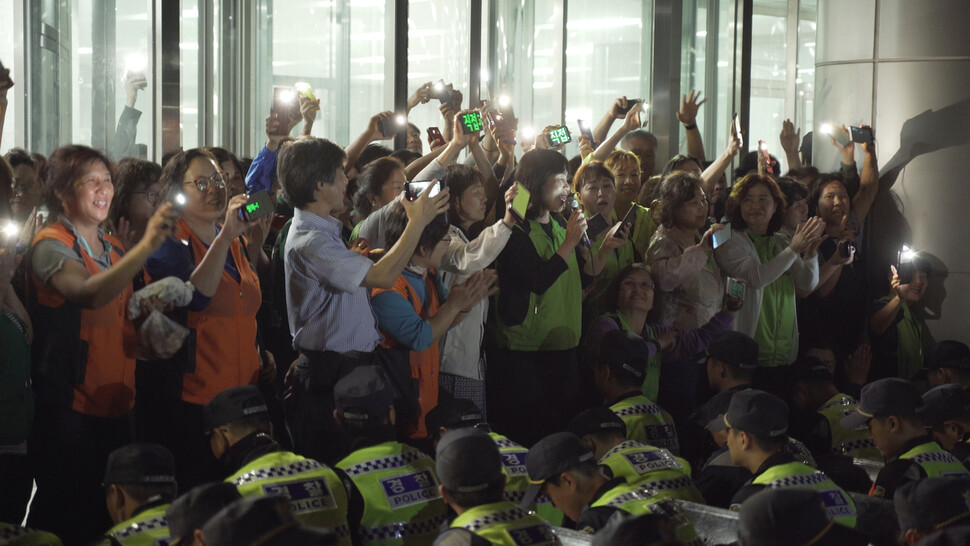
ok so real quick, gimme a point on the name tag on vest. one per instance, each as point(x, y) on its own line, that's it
point(406, 489)
point(647, 461)
point(304, 495)
point(661, 435)
point(514, 463)
point(836, 504)
point(537, 534)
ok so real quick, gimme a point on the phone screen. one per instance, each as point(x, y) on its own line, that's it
point(586, 131)
point(471, 122)
point(285, 105)
point(413, 190)
point(861, 134)
point(630, 103)
point(735, 288)
point(736, 129)
point(434, 136)
point(559, 136)
point(521, 202)
point(722, 236)
point(596, 225)
point(630, 219)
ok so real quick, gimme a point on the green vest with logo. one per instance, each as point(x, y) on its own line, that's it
point(638, 501)
point(652, 468)
point(513, 466)
point(553, 321)
point(400, 489)
point(643, 230)
point(148, 528)
point(506, 524)
point(25, 536)
point(852, 442)
point(936, 461)
point(317, 496)
point(647, 422)
point(795, 474)
point(597, 301)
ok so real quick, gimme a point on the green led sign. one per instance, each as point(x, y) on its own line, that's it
point(559, 136)
point(252, 207)
point(472, 122)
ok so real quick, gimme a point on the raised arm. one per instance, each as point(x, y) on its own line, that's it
point(631, 121)
point(868, 184)
point(716, 169)
point(689, 105)
point(370, 134)
point(790, 140)
point(614, 113)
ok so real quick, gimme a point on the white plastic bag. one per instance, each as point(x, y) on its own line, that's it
point(159, 337)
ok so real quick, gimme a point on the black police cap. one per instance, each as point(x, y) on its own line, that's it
point(623, 528)
point(264, 520)
point(882, 398)
point(140, 464)
point(791, 515)
point(756, 412)
point(468, 461)
point(550, 457)
point(944, 403)
point(192, 510)
point(452, 412)
point(365, 393)
point(734, 348)
point(931, 504)
point(809, 368)
point(598, 419)
point(233, 404)
point(944, 354)
point(626, 352)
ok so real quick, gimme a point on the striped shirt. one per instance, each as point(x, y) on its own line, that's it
point(328, 308)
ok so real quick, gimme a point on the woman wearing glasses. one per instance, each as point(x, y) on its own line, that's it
point(137, 191)
point(209, 250)
point(81, 280)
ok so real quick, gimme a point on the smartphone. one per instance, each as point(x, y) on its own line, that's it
point(434, 137)
point(521, 202)
point(763, 150)
point(443, 93)
point(630, 103)
point(285, 106)
point(862, 135)
point(845, 248)
point(413, 190)
point(836, 132)
point(721, 236)
point(497, 121)
point(587, 132)
point(559, 136)
point(259, 206)
point(596, 225)
point(735, 288)
point(629, 220)
point(904, 266)
point(393, 125)
point(471, 123)
point(736, 130)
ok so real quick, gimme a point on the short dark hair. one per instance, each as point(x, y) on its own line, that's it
point(19, 156)
point(607, 435)
point(493, 493)
point(535, 168)
point(737, 372)
point(677, 162)
point(589, 172)
point(613, 296)
point(740, 191)
point(638, 134)
point(586, 469)
point(223, 155)
point(792, 189)
point(397, 220)
point(65, 166)
point(818, 185)
point(805, 171)
point(371, 153)
point(248, 425)
point(676, 189)
point(458, 178)
point(303, 163)
point(173, 174)
point(133, 175)
point(768, 443)
point(371, 182)
point(406, 156)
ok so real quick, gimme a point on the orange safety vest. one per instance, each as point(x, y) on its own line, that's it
point(84, 358)
point(225, 352)
point(424, 364)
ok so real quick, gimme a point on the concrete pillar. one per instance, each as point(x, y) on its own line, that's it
point(904, 66)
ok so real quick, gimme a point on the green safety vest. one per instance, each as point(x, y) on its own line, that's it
point(909, 342)
point(506, 524)
point(513, 466)
point(852, 442)
point(776, 319)
point(647, 422)
point(402, 504)
point(936, 461)
point(652, 468)
point(25, 536)
point(553, 321)
point(643, 230)
point(638, 501)
point(651, 379)
point(597, 301)
point(795, 474)
point(148, 528)
point(316, 495)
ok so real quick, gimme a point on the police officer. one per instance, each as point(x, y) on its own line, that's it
point(402, 503)
point(792, 515)
point(190, 512)
point(641, 465)
point(619, 373)
point(820, 408)
point(240, 435)
point(265, 520)
point(934, 511)
point(15, 535)
point(946, 362)
point(562, 467)
point(139, 484)
point(470, 468)
point(889, 408)
point(757, 423)
point(946, 414)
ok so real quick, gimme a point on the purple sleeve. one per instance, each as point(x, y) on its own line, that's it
point(691, 342)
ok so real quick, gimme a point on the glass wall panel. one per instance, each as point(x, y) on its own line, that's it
point(769, 62)
point(805, 79)
point(192, 80)
point(8, 33)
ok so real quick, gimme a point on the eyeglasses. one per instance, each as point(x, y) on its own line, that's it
point(17, 184)
point(152, 195)
point(204, 183)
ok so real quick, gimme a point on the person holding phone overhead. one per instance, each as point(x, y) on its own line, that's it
point(210, 250)
point(770, 269)
point(84, 366)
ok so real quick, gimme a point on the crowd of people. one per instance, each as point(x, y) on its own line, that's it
point(383, 360)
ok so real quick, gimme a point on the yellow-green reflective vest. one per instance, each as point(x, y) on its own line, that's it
point(936, 461)
point(652, 468)
point(506, 524)
point(643, 230)
point(852, 442)
point(637, 501)
point(148, 528)
point(647, 422)
point(837, 502)
point(400, 489)
point(553, 321)
point(317, 496)
point(25, 536)
point(513, 466)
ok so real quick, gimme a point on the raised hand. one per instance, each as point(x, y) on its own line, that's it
point(789, 137)
point(807, 234)
point(420, 96)
point(423, 210)
point(160, 226)
point(689, 105)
